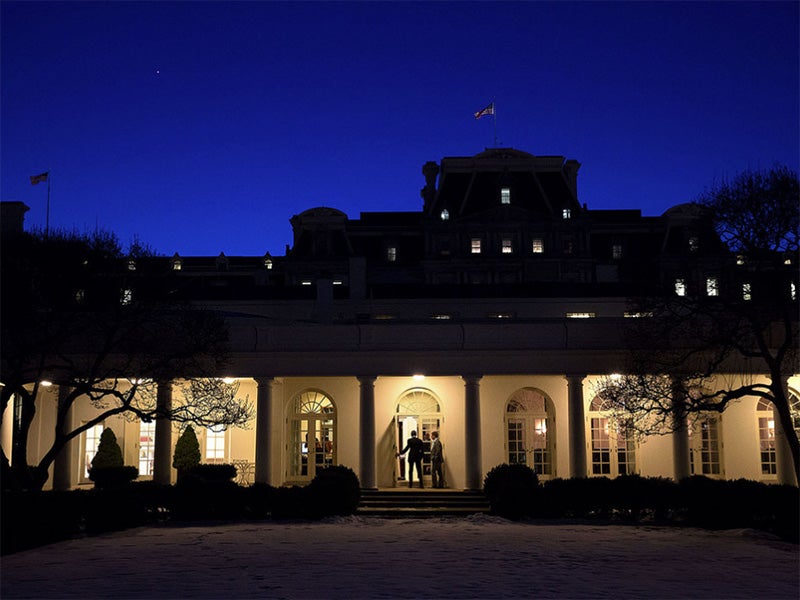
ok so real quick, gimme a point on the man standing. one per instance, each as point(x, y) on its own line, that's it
point(437, 459)
point(416, 450)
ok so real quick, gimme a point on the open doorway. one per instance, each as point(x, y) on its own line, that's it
point(417, 410)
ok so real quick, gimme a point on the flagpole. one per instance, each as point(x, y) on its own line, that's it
point(47, 217)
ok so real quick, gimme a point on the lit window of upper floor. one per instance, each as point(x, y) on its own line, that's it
point(475, 245)
point(177, 262)
point(694, 244)
point(740, 259)
point(537, 247)
point(792, 290)
point(391, 253)
point(126, 296)
point(80, 296)
point(616, 251)
point(441, 317)
point(131, 264)
point(267, 261)
point(505, 196)
point(747, 292)
point(680, 287)
point(566, 213)
point(445, 215)
point(507, 247)
point(580, 315)
point(712, 286)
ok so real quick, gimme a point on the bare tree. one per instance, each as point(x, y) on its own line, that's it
point(697, 353)
point(75, 313)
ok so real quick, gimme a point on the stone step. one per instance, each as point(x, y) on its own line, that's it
point(420, 502)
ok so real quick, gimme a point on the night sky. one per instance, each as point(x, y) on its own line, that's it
point(203, 127)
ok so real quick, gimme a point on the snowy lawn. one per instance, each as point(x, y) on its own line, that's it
point(363, 557)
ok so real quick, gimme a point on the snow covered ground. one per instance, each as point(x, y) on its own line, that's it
point(367, 557)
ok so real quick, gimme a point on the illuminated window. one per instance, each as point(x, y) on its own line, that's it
point(694, 244)
point(475, 245)
point(267, 262)
point(507, 247)
point(747, 292)
point(705, 451)
point(712, 286)
point(537, 246)
point(566, 213)
point(613, 448)
point(215, 444)
point(445, 215)
point(147, 445)
point(305, 282)
point(792, 290)
point(131, 264)
point(636, 315)
point(391, 254)
point(766, 438)
point(311, 434)
point(529, 431)
point(505, 196)
point(80, 296)
point(616, 251)
point(91, 441)
point(441, 317)
point(126, 297)
point(177, 263)
point(680, 287)
point(580, 315)
point(739, 259)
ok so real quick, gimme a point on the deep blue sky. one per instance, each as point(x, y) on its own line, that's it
point(203, 127)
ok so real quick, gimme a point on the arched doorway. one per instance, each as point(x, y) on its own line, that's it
point(417, 410)
point(312, 434)
point(530, 431)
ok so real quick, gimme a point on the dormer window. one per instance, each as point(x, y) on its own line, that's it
point(131, 264)
point(505, 195)
point(747, 292)
point(538, 246)
point(566, 213)
point(507, 247)
point(267, 261)
point(80, 296)
point(177, 262)
point(126, 297)
point(475, 245)
point(712, 286)
point(445, 215)
point(222, 262)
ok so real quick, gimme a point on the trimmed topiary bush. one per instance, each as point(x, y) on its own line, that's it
point(108, 469)
point(511, 490)
point(187, 452)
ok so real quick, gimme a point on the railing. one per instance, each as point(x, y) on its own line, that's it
point(245, 471)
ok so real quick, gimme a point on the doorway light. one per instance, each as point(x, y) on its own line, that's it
point(418, 376)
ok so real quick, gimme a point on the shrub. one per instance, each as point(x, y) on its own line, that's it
point(112, 477)
point(334, 491)
point(109, 453)
point(511, 490)
point(213, 472)
point(187, 452)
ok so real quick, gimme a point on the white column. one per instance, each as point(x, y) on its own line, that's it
point(472, 431)
point(162, 448)
point(263, 472)
point(7, 432)
point(680, 439)
point(62, 466)
point(367, 431)
point(577, 426)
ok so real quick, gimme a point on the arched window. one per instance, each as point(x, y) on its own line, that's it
point(312, 434)
point(530, 431)
point(613, 447)
point(766, 437)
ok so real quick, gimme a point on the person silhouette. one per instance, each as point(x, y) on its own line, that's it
point(416, 450)
point(437, 459)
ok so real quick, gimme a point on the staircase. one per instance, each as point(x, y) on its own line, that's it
point(404, 502)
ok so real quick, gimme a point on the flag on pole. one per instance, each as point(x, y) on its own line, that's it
point(40, 178)
point(489, 110)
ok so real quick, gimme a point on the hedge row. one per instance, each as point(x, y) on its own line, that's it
point(31, 519)
point(695, 501)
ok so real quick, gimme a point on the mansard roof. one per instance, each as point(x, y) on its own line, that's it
point(542, 186)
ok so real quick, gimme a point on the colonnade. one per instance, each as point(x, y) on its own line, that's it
point(473, 476)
